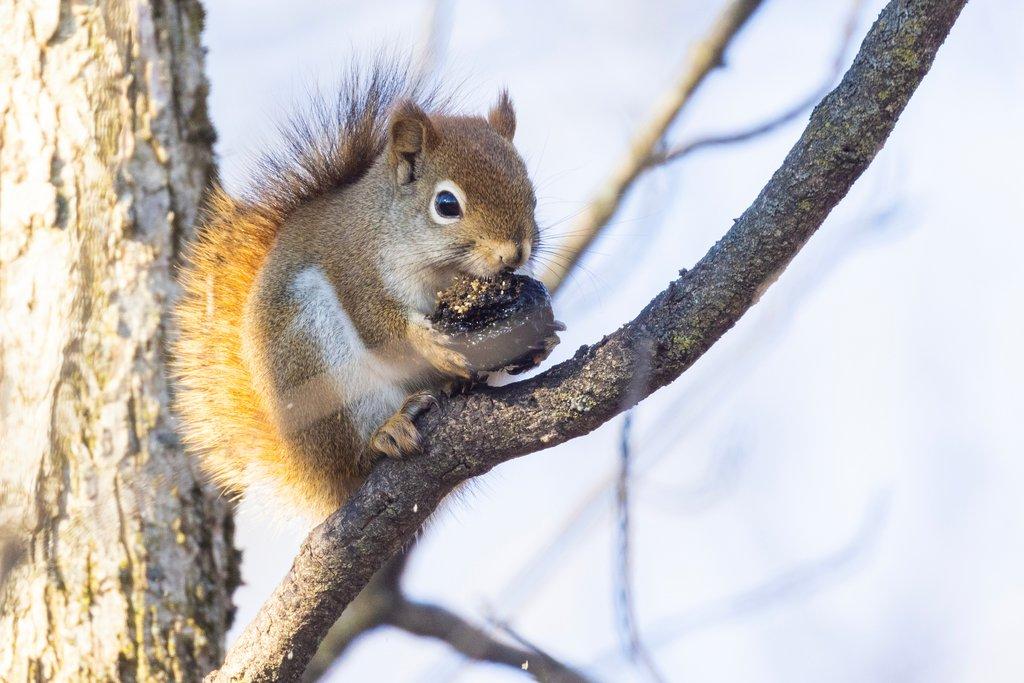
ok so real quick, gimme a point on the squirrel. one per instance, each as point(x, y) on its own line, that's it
point(304, 350)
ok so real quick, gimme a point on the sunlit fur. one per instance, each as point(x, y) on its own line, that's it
point(221, 414)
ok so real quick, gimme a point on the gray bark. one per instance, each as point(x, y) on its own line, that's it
point(116, 560)
point(469, 435)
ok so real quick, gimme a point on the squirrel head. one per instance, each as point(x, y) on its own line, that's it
point(461, 191)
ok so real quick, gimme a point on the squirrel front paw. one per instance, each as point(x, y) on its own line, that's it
point(398, 436)
point(437, 348)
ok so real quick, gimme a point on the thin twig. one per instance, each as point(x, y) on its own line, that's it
point(595, 217)
point(383, 603)
point(798, 581)
point(681, 150)
point(433, 621)
point(507, 629)
point(626, 606)
point(703, 58)
point(434, 41)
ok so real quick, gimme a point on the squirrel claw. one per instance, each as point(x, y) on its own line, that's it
point(398, 436)
point(417, 404)
point(452, 362)
point(544, 349)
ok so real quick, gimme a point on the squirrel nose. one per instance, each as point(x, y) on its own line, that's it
point(511, 256)
point(504, 254)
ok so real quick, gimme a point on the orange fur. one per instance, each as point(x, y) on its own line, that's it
point(223, 417)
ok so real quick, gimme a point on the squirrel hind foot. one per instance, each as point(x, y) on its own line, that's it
point(398, 436)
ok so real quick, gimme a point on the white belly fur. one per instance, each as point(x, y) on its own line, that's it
point(369, 389)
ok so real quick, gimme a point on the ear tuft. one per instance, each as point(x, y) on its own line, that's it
point(502, 116)
point(410, 135)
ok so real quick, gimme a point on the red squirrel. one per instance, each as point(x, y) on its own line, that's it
point(305, 350)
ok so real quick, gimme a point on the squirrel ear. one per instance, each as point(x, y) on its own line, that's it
point(410, 135)
point(502, 116)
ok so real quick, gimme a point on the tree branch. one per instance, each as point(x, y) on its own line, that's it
point(683, 149)
point(367, 611)
point(433, 621)
point(703, 58)
point(468, 435)
point(366, 615)
point(383, 603)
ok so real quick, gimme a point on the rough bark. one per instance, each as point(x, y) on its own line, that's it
point(118, 562)
point(469, 435)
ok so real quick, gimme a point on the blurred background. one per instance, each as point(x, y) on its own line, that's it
point(834, 491)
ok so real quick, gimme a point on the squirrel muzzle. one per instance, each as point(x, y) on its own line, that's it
point(499, 255)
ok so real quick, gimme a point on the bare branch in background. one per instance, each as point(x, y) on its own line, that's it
point(644, 154)
point(800, 580)
point(383, 603)
point(516, 636)
point(625, 604)
point(474, 642)
point(703, 58)
point(470, 434)
point(788, 116)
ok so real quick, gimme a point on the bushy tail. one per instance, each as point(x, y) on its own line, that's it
point(222, 419)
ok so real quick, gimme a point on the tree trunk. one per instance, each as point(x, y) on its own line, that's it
point(116, 559)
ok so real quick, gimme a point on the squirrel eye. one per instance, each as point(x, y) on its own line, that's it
point(446, 205)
